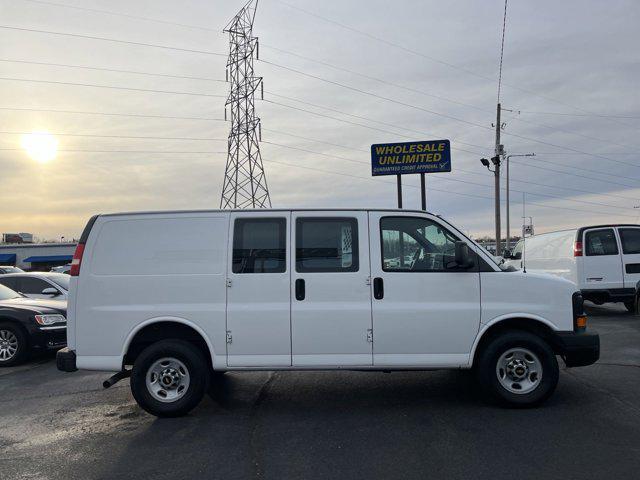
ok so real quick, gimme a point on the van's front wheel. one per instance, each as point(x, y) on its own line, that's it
point(169, 378)
point(518, 369)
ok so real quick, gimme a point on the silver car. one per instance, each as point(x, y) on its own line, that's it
point(47, 285)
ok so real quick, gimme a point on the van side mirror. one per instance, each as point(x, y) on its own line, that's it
point(506, 254)
point(51, 291)
point(463, 256)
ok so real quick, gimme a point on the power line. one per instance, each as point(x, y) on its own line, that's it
point(113, 87)
point(545, 185)
point(420, 92)
point(208, 152)
point(135, 17)
point(581, 168)
point(360, 117)
point(580, 114)
point(410, 137)
point(109, 114)
point(314, 140)
point(433, 59)
point(572, 174)
point(292, 165)
point(114, 70)
point(113, 40)
point(504, 27)
point(445, 178)
point(444, 115)
point(377, 79)
point(120, 136)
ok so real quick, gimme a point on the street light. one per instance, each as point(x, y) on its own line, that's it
point(508, 226)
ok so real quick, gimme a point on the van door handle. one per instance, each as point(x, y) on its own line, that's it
point(300, 289)
point(378, 288)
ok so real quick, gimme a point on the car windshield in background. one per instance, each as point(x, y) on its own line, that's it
point(12, 270)
point(7, 294)
point(61, 279)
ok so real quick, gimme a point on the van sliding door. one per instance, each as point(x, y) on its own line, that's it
point(258, 290)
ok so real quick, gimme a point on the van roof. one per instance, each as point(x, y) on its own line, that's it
point(150, 212)
point(580, 230)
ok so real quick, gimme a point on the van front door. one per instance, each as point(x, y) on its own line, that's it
point(331, 296)
point(426, 310)
point(630, 241)
point(602, 263)
point(258, 293)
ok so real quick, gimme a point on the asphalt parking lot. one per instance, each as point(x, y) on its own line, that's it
point(302, 425)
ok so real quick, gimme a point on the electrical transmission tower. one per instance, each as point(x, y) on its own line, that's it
point(245, 184)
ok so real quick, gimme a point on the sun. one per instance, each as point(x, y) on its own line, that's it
point(40, 146)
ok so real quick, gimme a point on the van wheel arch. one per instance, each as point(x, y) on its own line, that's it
point(523, 324)
point(166, 330)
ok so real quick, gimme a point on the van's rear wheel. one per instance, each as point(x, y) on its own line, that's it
point(169, 378)
point(518, 369)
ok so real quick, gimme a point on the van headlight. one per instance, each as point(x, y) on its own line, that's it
point(50, 319)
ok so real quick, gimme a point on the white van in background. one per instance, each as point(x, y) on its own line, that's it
point(182, 295)
point(602, 260)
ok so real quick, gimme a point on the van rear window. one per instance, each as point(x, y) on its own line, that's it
point(630, 240)
point(601, 242)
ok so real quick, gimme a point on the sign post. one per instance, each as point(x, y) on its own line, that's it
point(429, 156)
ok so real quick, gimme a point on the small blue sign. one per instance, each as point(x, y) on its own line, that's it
point(429, 156)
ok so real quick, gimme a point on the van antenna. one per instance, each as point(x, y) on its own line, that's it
point(524, 236)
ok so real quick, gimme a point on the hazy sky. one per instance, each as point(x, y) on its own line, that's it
point(576, 59)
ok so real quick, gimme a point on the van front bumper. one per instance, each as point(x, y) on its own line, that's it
point(66, 360)
point(578, 349)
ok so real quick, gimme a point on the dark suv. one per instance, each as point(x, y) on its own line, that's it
point(28, 325)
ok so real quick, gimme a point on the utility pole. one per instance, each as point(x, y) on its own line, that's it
point(245, 183)
point(496, 162)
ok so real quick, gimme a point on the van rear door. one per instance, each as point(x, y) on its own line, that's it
point(258, 290)
point(630, 242)
point(601, 259)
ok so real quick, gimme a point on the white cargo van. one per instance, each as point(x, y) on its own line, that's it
point(602, 260)
point(178, 296)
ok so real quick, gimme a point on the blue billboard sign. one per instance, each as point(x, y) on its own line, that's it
point(430, 156)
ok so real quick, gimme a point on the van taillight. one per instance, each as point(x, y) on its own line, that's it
point(77, 260)
point(577, 249)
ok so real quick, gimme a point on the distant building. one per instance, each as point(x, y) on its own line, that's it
point(17, 237)
point(37, 256)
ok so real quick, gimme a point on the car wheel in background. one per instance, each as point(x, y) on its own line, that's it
point(517, 369)
point(169, 378)
point(13, 344)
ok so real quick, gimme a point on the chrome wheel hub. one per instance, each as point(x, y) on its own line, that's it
point(8, 345)
point(168, 379)
point(519, 370)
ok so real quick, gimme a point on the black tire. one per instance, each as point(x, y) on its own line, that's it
point(487, 375)
point(17, 333)
point(197, 369)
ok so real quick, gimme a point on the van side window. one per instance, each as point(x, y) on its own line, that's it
point(326, 245)
point(630, 240)
point(259, 245)
point(601, 242)
point(412, 244)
